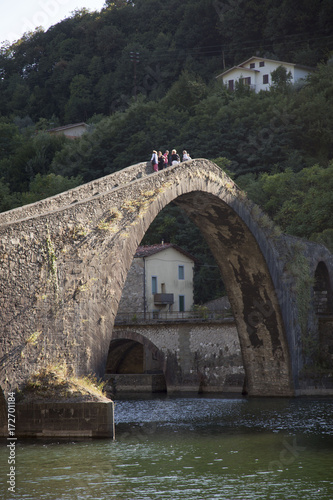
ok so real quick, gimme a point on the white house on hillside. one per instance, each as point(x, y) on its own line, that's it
point(160, 279)
point(71, 131)
point(256, 72)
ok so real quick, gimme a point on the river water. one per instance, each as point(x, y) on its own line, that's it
point(191, 448)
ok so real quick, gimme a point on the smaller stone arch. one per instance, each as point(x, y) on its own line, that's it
point(322, 290)
point(134, 364)
point(323, 305)
point(126, 357)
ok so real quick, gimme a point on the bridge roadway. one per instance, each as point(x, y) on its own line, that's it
point(64, 261)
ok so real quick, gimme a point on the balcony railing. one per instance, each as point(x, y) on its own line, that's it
point(163, 298)
point(165, 316)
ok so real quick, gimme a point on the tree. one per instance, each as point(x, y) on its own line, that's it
point(43, 186)
point(281, 79)
point(301, 203)
point(10, 138)
point(8, 200)
point(186, 92)
point(117, 4)
point(80, 104)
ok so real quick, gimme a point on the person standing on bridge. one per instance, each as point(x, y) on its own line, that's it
point(166, 159)
point(175, 157)
point(160, 161)
point(186, 156)
point(154, 161)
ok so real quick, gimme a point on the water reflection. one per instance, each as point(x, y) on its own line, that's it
point(190, 448)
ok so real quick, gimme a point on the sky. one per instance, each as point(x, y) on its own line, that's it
point(20, 16)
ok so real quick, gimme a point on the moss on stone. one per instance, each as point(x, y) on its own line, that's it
point(54, 383)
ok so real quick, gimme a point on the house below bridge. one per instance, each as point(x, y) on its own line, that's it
point(160, 280)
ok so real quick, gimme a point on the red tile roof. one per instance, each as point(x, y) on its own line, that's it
point(146, 251)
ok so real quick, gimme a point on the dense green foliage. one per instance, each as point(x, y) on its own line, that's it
point(277, 145)
point(82, 65)
point(301, 203)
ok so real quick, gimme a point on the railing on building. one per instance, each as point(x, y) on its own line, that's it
point(165, 316)
point(163, 298)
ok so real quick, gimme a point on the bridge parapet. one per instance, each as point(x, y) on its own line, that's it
point(80, 193)
point(171, 316)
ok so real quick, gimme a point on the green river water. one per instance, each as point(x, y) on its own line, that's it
point(187, 448)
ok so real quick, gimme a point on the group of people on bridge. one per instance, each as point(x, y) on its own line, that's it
point(160, 161)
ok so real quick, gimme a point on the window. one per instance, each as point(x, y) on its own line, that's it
point(181, 299)
point(154, 284)
point(252, 65)
point(261, 64)
point(264, 78)
point(246, 81)
point(181, 272)
point(231, 85)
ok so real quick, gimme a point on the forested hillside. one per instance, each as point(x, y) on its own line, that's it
point(142, 75)
point(83, 65)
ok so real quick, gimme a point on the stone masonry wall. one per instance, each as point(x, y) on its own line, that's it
point(66, 420)
point(132, 296)
point(200, 357)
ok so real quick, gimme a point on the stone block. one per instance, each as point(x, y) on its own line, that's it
point(82, 419)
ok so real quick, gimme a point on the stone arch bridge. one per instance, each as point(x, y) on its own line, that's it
point(64, 261)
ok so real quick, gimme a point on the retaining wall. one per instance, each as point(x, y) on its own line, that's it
point(67, 420)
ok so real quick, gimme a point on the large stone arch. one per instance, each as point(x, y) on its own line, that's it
point(62, 271)
point(250, 289)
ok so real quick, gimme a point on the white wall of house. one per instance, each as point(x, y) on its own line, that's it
point(257, 73)
point(299, 73)
point(163, 269)
point(70, 131)
point(159, 270)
